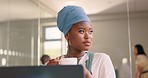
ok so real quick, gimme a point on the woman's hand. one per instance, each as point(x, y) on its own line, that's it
point(53, 62)
point(87, 73)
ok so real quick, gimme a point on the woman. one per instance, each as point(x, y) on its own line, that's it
point(77, 29)
point(141, 62)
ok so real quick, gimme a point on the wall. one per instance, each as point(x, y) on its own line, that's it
point(111, 35)
point(139, 26)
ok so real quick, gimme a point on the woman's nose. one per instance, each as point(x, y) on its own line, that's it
point(87, 35)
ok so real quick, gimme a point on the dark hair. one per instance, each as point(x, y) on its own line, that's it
point(44, 58)
point(140, 49)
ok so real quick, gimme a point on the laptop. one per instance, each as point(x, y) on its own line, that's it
point(57, 71)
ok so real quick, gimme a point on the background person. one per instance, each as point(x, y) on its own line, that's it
point(44, 59)
point(141, 62)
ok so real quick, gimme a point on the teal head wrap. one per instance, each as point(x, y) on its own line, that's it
point(70, 15)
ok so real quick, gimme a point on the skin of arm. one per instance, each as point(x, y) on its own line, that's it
point(137, 72)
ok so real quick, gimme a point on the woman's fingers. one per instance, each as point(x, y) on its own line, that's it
point(53, 62)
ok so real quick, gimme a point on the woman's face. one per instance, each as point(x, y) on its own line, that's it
point(80, 36)
point(135, 51)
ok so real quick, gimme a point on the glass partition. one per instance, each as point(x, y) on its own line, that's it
point(18, 33)
point(138, 19)
point(111, 37)
point(4, 38)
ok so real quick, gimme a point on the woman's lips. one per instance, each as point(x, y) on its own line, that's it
point(87, 43)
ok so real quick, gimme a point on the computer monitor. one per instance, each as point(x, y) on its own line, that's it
point(55, 71)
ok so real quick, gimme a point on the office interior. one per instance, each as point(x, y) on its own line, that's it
point(28, 29)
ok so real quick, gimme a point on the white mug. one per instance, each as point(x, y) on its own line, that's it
point(68, 61)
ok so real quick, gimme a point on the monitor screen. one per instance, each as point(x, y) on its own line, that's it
point(56, 71)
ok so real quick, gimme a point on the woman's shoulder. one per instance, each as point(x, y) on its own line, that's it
point(101, 56)
point(103, 59)
point(141, 57)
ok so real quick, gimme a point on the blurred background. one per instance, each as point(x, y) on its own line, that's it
point(28, 30)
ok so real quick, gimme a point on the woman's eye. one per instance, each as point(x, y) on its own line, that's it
point(81, 31)
point(91, 31)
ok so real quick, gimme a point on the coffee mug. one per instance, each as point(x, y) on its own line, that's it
point(68, 61)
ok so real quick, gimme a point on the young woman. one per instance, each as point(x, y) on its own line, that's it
point(77, 28)
point(141, 62)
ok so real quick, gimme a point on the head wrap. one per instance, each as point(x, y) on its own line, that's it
point(70, 15)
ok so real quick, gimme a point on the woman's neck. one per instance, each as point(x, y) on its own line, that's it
point(75, 53)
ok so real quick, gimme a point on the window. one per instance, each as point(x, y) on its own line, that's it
point(52, 48)
point(52, 41)
point(52, 33)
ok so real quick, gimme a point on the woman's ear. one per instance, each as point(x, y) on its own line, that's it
point(67, 36)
